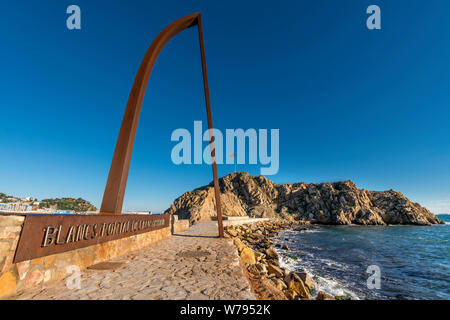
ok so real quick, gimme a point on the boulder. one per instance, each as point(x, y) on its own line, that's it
point(324, 296)
point(299, 288)
point(259, 255)
point(275, 262)
point(253, 269)
point(238, 243)
point(271, 253)
point(232, 232)
point(290, 294)
point(261, 267)
point(247, 256)
point(291, 275)
point(273, 269)
point(307, 280)
point(257, 236)
point(280, 284)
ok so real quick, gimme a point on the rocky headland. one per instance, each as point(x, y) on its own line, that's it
point(334, 203)
point(294, 206)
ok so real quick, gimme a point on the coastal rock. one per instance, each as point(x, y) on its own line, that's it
point(265, 289)
point(271, 253)
point(324, 296)
point(280, 284)
point(291, 294)
point(275, 262)
point(232, 232)
point(336, 203)
point(299, 288)
point(261, 267)
point(253, 269)
point(268, 279)
point(292, 276)
point(238, 243)
point(296, 283)
point(259, 256)
point(247, 256)
point(307, 280)
point(273, 269)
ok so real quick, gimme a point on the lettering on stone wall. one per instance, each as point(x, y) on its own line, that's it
point(43, 235)
point(63, 235)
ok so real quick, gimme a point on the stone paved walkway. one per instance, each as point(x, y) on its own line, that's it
point(191, 265)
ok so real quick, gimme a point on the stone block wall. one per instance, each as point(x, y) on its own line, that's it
point(179, 225)
point(15, 277)
point(10, 227)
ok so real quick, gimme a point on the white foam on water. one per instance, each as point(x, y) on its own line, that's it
point(310, 231)
point(333, 287)
point(329, 286)
point(292, 231)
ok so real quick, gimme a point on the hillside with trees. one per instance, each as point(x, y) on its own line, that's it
point(79, 204)
point(75, 204)
point(5, 198)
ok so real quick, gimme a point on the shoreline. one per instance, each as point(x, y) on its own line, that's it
point(289, 259)
point(321, 252)
point(261, 262)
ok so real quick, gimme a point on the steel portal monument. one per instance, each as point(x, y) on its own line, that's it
point(118, 174)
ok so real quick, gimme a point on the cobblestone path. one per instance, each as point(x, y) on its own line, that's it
point(191, 265)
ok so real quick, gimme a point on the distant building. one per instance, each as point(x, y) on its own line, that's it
point(15, 207)
point(36, 205)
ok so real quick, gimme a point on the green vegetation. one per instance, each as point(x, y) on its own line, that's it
point(292, 256)
point(79, 205)
point(343, 298)
point(5, 198)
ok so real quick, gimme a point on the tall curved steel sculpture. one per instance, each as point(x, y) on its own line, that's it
point(118, 174)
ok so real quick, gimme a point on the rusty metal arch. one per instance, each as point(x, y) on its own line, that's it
point(118, 174)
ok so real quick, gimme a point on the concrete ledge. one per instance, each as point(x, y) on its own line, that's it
point(214, 218)
point(234, 222)
point(15, 277)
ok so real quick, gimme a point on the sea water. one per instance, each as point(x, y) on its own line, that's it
point(414, 261)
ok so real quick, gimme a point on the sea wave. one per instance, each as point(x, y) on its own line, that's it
point(330, 286)
point(413, 260)
point(310, 231)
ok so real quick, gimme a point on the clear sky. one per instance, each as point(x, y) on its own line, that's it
point(372, 106)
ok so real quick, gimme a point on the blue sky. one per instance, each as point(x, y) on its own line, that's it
point(350, 103)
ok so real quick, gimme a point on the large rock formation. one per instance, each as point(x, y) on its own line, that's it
point(325, 203)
